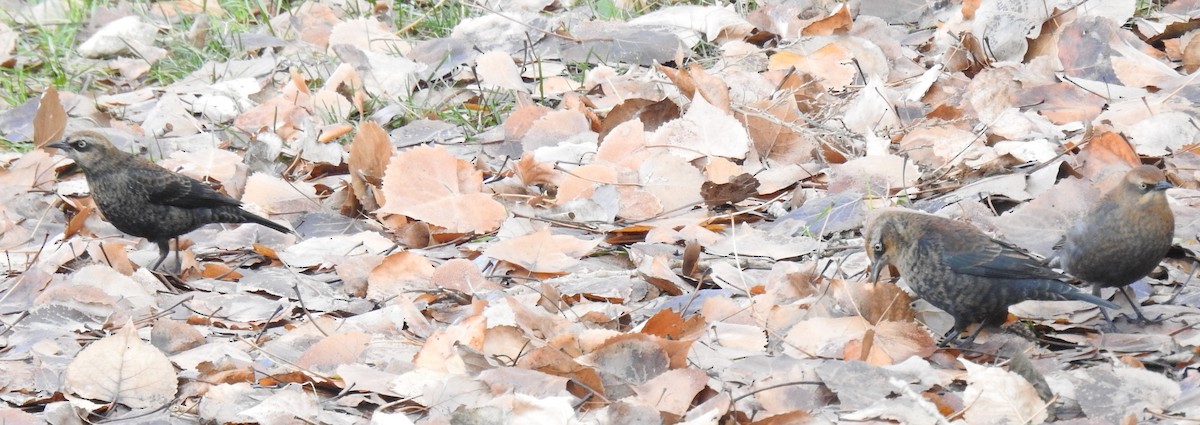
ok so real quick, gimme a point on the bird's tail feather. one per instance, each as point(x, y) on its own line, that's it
point(238, 215)
point(255, 218)
point(1053, 290)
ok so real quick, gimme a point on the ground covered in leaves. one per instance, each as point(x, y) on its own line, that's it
point(593, 212)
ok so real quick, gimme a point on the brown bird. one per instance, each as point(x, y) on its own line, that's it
point(1124, 237)
point(142, 199)
point(960, 270)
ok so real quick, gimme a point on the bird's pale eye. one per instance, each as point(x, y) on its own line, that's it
point(80, 144)
point(878, 247)
point(1142, 186)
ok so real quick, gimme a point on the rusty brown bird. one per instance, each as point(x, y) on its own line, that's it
point(961, 270)
point(1124, 237)
point(142, 199)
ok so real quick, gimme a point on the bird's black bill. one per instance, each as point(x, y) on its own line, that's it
point(58, 145)
point(876, 269)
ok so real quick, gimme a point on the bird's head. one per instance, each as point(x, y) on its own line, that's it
point(882, 235)
point(87, 148)
point(1145, 184)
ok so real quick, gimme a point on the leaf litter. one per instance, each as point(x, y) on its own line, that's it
point(548, 217)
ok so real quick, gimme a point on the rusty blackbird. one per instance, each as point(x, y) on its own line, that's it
point(143, 199)
point(1124, 237)
point(961, 270)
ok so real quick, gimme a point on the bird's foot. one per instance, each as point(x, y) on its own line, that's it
point(1142, 320)
point(1109, 326)
point(953, 336)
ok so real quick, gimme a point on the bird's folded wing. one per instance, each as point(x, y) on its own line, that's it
point(166, 188)
point(997, 260)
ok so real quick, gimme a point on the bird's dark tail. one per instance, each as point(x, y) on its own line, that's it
point(238, 215)
point(254, 218)
point(1053, 290)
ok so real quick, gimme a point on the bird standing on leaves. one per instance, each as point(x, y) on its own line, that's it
point(1124, 237)
point(960, 270)
point(143, 199)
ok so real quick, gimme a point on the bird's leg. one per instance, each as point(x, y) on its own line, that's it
point(1141, 318)
point(178, 262)
point(950, 335)
point(1110, 326)
point(971, 339)
point(164, 248)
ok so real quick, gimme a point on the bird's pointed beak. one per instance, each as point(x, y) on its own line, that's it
point(58, 145)
point(1163, 185)
point(876, 268)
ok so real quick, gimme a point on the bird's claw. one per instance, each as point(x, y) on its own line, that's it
point(1142, 320)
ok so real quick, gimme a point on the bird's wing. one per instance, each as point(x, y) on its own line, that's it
point(167, 188)
point(993, 258)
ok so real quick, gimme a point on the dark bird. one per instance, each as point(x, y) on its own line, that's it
point(142, 199)
point(960, 270)
point(1124, 237)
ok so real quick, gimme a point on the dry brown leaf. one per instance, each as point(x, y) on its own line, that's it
point(274, 195)
point(439, 353)
point(370, 153)
point(174, 336)
point(50, 119)
point(122, 368)
point(428, 184)
point(704, 130)
point(743, 186)
point(994, 395)
point(522, 119)
point(625, 145)
point(837, 23)
point(334, 350)
point(532, 173)
point(673, 391)
point(369, 35)
point(774, 137)
point(462, 275)
point(1104, 150)
point(670, 324)
point(652, 114)
point(279, 114)
point(937, 146)
point(542, 251)
point(581, 182)
point(848, 337)
point(556, 127)
point(496, 70)
point(399, 272)
point(219, 271)
point(1063, 102)
point(832, 65)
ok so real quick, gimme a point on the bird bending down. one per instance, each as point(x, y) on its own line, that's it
point(1124, 237)
point(143, 199)
point(961, 270)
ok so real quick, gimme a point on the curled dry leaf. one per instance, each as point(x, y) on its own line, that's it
point(369, 155)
